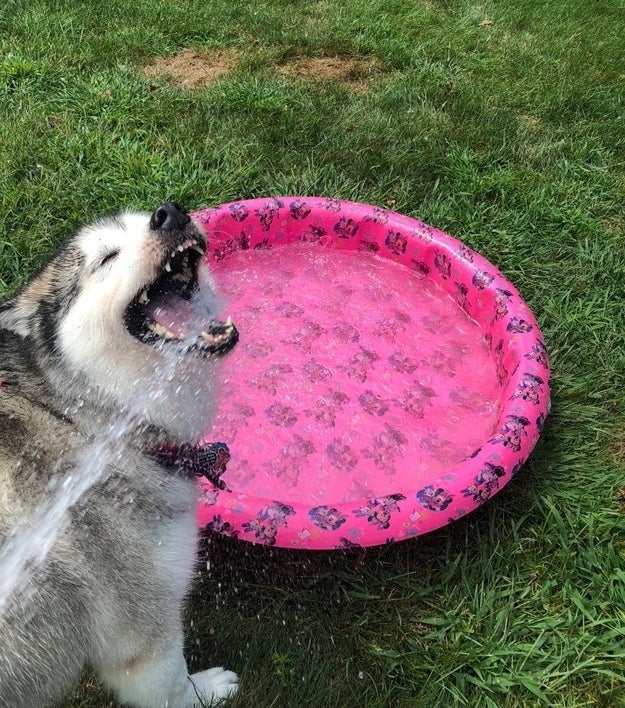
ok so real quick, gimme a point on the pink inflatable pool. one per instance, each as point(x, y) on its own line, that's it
point(388, 380)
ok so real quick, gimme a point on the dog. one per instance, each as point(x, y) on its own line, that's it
point(108, 371)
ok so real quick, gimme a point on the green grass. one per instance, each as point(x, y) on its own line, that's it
point(508, 133)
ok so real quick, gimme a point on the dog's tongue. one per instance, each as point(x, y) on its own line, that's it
point(180, 317)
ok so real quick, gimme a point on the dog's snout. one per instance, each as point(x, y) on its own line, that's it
point(169, 217)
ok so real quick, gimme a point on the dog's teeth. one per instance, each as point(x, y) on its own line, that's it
point(209, 338)
point(157, 328)
point(168, 267)
point(229, 321)
point(198, 248)
point(181, 248)
point(143, 298)
point(163, 332)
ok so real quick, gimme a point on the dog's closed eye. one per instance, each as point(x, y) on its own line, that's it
point(107, 258)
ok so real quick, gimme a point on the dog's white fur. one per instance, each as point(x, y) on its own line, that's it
point(93, 337)
point(130, 565)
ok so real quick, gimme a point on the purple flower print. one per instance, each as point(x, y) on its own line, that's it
point(396, 242)
point(512, 432)
point(345, 228)
point(529, 388)
point(387, 445)
point(268, 521)
point(326, 518)
point(281, 416)
point(289, 310)
point(306, 335)
point(315, 372)
point(502, 298)
point(485, 483)
point(434, 498)
point(518, 325)
point(378, 511)
point(268, 213)
point(538, 353)
point(345, 332)
point(223, 527)
point(269, 379)
point(330, 205)
point(369, 246)
point(341, 456)
point(238, 212)
point(421, 267)
point(327, 407)
point(299, 209)
point(312, 234)
point(402, 363)
point(442, 264)
point(465, 253)
point(360, 363)
point(481, 280)
point(373, 404)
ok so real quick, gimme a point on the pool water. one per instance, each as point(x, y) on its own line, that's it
point(354, 376)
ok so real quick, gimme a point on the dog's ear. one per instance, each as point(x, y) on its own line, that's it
point(17, 315)
point(46, 287)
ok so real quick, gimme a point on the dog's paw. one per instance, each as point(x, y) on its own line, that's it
point(213, 685)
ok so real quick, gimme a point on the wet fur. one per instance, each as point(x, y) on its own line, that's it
point(111, 590)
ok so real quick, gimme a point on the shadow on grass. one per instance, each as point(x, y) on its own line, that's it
point(330, 628)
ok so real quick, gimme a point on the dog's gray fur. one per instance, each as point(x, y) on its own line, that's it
point(110, 591)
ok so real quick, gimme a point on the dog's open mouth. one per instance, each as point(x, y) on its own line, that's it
point(172, 311)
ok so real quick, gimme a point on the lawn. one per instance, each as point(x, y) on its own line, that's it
point(502, 123)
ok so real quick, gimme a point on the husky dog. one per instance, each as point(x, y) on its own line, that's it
point(106, 355)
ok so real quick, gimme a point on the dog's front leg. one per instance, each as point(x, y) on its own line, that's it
point(159, 679)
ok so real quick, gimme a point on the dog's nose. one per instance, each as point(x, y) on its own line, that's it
point(169, 217)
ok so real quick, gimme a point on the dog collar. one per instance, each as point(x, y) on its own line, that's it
point(208, 460)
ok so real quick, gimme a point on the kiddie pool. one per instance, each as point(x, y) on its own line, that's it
point(388, 379)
